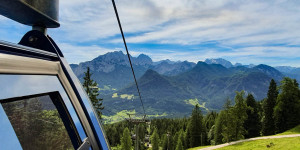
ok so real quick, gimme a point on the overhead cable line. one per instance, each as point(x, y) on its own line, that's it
point(120, 26)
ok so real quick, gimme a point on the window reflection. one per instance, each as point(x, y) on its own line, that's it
point(21, 85)
point(37, 124)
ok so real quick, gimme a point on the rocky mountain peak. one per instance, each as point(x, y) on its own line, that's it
point(143, 59)
point(220, 61)
point(270, 71)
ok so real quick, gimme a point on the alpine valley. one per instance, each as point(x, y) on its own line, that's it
point(171, 88)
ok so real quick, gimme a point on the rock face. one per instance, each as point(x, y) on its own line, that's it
point(112, 71)
point(109, 62)
point(143, 60)
point(220, 61)
point(171, 69)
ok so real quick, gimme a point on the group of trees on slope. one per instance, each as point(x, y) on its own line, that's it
point(92, 90)
point(245, 118)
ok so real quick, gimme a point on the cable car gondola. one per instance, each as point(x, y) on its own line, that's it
point(42, 103)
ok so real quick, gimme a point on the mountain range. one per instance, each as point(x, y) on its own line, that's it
point(172, 88)
point(112, 71)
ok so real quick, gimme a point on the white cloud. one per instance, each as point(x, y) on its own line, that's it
point(247, 29)
point(252, 22)
point(247, 22)
point(95, 19)
point(231, 23)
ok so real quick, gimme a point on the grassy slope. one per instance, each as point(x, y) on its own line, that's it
point(295, 130)
point(194, 102)
point(120, 116)
point(196, 148)
point(278, 144)
point(282, 143)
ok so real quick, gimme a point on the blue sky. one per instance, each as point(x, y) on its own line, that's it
point(248, 31)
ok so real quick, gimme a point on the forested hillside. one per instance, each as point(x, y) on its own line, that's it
point(206, 85)
point(239, 119)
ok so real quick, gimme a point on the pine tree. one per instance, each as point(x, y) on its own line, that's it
point(111, 133)
point(240, 115)
point(268, 127)
point(179, 145)
point(296, 84)
point(164, 142)
point(210, 135)
point(176, 136)
point(171, 142)
point(210, 120)
point(187, 136)
point(218, 128)
point(126, 142)
point(234, 119)
point(252, 123)
point(221, 122)
point(181, 137)
point(155, 140)
point(141, 133)
point(286, 111)
point(91, 88)
point(228, 125)
point(196, 128)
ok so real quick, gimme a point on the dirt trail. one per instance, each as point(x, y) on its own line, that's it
point(251, 139)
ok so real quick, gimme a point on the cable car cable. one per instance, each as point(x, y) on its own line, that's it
point(124, 41)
